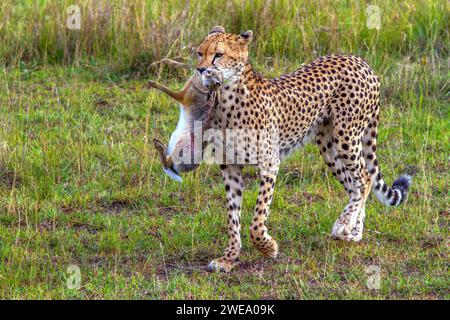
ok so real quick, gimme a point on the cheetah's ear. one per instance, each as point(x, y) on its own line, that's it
point(217, 29)
point(246, 37)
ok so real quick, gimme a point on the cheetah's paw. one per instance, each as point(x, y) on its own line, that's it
point(270, 250)
point(345, 232)
point(222, 265)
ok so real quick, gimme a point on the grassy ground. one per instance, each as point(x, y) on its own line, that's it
point(80, 183)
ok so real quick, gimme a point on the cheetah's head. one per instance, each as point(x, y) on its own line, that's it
point(226, 52)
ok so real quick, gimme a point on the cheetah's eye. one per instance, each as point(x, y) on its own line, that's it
point(199, 54)
point(217, 56)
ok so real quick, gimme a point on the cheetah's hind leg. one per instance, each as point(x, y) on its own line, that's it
point(350, 224)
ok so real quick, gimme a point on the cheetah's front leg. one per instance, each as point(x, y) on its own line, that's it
point(258, 231)
point(232, 176)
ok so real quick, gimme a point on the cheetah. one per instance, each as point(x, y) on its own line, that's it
point(332, 102)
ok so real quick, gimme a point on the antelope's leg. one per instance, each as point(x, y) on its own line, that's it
point(179, 95)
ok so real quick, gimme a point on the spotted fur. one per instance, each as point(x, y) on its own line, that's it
point(333, 101)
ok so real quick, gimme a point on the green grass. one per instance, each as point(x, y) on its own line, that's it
point(129, 35)
point(80, 183)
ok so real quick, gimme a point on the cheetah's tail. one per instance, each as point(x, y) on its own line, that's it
point(394, 195)
point(389, 196)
